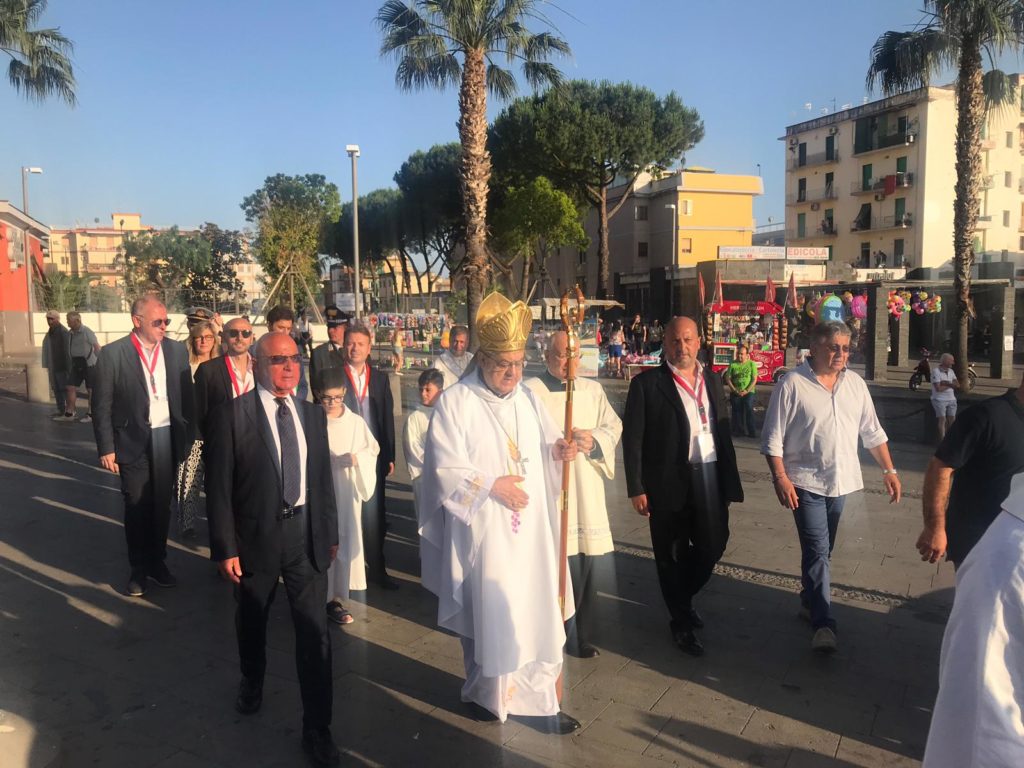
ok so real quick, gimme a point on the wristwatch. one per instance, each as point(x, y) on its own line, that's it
point(889, 472)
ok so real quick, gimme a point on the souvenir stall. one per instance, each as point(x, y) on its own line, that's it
point(761, 326)
point(404, 341)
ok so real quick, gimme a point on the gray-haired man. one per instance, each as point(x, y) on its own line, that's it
point(815, 416)
point(944, 386)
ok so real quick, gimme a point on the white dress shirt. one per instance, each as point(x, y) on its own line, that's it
point(159, 405)
point(815, 431)
point(359, 381)
point(270, 409)
point(246, 382)
point(709, 453)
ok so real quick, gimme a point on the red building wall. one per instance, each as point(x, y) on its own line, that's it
point(14, 282)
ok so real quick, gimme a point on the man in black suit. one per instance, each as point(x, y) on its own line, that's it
point(222, 379)
point(272, 513)
point(369, 395)
point(681, 472)
point(143, 421)
point(330, 354)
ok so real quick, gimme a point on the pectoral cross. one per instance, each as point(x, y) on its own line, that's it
point(519, 463)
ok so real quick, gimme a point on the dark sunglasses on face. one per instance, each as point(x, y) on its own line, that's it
point(282, 359)
point(159, 322)
point(234, 333)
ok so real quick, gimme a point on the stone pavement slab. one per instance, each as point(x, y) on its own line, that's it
point(94, 678)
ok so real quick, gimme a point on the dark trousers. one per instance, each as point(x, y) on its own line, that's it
point(689, 540)
point(146, 486)
point(583, 571)
point(59, 385)
point(817, 522)
point(307, 595)
point(743, 415)
point(375, 527)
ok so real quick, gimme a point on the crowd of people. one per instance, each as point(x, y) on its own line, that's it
point(294, 488)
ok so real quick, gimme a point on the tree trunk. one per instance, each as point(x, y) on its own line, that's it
point(970, 118)
point(475, 176)
point(603, 254)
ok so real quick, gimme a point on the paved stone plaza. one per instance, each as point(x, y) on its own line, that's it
point(89, 677)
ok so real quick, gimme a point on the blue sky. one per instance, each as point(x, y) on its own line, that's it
point(186, 107)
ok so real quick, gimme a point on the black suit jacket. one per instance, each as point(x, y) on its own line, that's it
point(656, 440)
point(243, 484)
point(381, 416)
point(324, 357)
point(120, 400)
point(212, 388)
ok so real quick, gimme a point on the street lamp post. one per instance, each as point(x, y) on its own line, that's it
point(672, 266)
point(353, 152)
point(26, 170)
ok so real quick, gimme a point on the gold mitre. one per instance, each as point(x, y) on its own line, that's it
point(503, 326)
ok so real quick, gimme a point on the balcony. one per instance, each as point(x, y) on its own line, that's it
point(882, 222)
point(988, 181)
point(987, 144)
point(885, 141)
point(812, 195)
point(824, 228)
point(815, 158)
point(984, 222)
point(877, 184)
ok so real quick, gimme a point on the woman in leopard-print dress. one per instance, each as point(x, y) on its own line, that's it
point(203, 344)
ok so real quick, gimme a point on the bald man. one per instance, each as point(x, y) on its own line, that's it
point(143, 423)
point(681, 472)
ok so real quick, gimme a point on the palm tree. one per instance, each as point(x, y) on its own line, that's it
point(959, 34)
point(40, 64)
point(441, 43)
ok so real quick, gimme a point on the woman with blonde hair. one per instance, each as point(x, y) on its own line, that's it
point(203, 344)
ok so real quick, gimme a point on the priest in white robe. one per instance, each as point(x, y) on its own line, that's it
point(354, 471)
point(978, 719)
point(489, 526)
point(596, 432)
point(454, 361)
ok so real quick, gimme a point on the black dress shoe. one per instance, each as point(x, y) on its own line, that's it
point(320, 747)
point(136, 583)
point(556, 725)
point(162, 575)
point(688, 641)
point(587, 651)
point(250, 697)
point(695, 619)
point(479, 713)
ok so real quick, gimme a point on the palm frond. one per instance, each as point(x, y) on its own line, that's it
point(542, 74)
point(1001, 92)
point(544, 45)
point(416, 73)
point(902, 61)
point(500, 82)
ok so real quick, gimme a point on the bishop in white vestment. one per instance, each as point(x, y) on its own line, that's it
point(489, 527)
point(596, 431)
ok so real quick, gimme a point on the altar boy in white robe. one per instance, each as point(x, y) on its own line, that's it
point(414, 435)
point(489, 527)
point(596, 432)
point(354, 471)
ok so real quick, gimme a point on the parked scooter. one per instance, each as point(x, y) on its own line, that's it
point(923, 373)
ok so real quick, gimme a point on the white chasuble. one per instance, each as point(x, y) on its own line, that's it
point(352, 486)
point(495, 574)
point(589, 531)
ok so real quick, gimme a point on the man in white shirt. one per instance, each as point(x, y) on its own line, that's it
point(810, 437)
point(944, 386)
point(978, 719)
point(453, 362)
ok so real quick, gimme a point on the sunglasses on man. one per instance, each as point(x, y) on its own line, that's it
point(159, 322)
point(235, 333)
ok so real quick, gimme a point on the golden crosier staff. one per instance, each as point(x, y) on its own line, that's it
point(571, 319)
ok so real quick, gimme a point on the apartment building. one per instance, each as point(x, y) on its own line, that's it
point(875, 183)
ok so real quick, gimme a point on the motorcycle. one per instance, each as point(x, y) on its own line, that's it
point(923, 373)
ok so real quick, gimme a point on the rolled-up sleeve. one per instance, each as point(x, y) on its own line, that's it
point(871, 432)
point(773, 433)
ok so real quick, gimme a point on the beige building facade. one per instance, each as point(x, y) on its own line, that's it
point(876, 183)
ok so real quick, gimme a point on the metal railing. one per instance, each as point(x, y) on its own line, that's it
point(812, 195)
point(816, 158)
point(824, 228)
point(877, 183)
point(882, 222)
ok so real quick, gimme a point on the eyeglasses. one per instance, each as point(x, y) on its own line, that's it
point(159, 322)
point(837, 349)
point(332, 399)
point(506, 365)
point(282, 359)
point(234, 333)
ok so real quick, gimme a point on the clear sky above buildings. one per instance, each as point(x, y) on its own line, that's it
point(186, 107)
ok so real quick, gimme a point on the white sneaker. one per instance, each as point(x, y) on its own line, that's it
point(824, 641)
point(63, 417)
point(87, 419)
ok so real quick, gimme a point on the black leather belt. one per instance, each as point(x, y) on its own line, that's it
point(287, 513)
